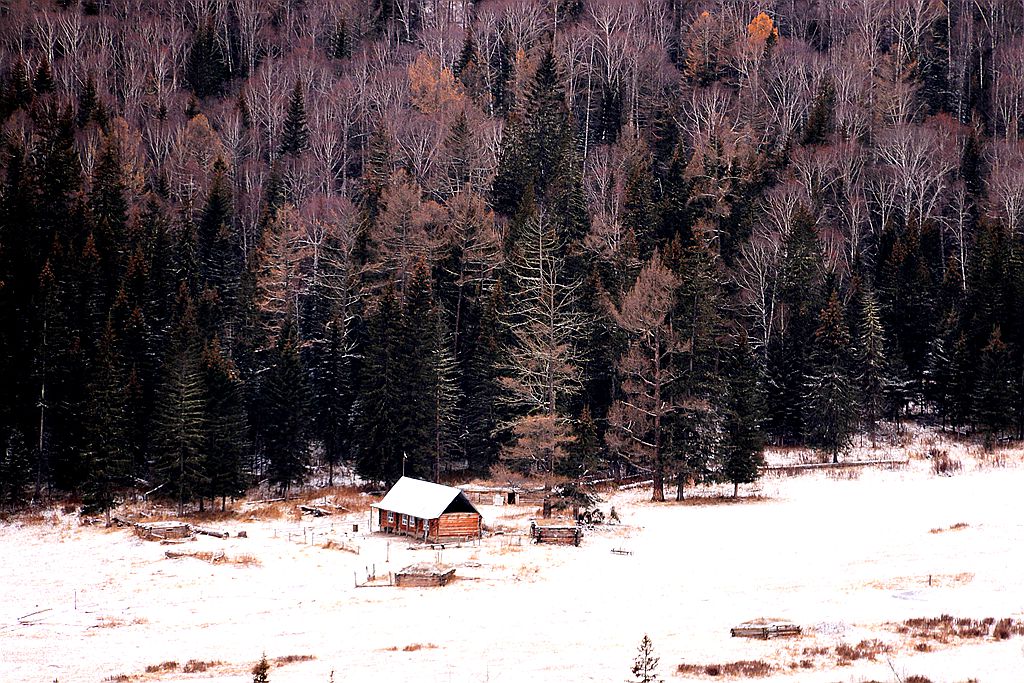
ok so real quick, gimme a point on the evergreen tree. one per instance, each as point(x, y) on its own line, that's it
point(744, 410)
point(261, 672)
point(285, 407)
point(341, 43)
point(180, 420)
point(332, 395)
point(376, 178)
point(789, 354)
point(220, 253)
point(996, 392)
point(585, 452)
point(820, 119)
point(42, 82)
point(444, 382)
point(425, 379)
point(87, 101)
point(639, 212)
point(481, 386)
point(15, 470)
point(108, 209)
point(645, 666)
point(548, 136)
point(107, 453)
point(829, 407)
point(872, 366)
point(379, 418)
point(295, 136)
point(226, 425)
point(514, 174)
point(206, 66)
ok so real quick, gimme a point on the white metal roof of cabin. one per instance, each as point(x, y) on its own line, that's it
point(419, 498)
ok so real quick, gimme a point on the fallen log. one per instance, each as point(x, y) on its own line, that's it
point(210, 532)
point(314, 510)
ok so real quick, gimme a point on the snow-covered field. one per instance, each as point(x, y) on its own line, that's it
point(841, 556)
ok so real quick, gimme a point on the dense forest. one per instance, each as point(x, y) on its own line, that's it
point(246, 240)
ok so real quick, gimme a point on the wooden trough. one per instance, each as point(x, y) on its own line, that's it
point(765, 631)
point(559, 534)
point(424, 574)
point(160, 531)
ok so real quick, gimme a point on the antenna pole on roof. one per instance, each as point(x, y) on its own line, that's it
point(405, 456)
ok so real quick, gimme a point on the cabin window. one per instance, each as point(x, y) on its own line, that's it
point(391, 517)
point(405, 520)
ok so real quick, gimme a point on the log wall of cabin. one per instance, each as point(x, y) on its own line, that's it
point(401, 524)
point(456, 525)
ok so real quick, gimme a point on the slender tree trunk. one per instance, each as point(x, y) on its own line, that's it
point(735, 489)
point(658, 494)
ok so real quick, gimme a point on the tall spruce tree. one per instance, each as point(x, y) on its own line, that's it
point(995, 394)
point(379, 405)
point(744, 412)
point(295, 135)
point(107, 454)
point(481, 385)
point(829, 412)
point(227, 432)
point(285, 407)
point(220, 252)
point(872, 366)
point(180, 419)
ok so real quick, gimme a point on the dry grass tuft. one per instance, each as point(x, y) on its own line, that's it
point(741, 669)
point(946, 628)
point(269, 511)
point(865, 649)
point(163, 666)
point(218, 557)
point(1005, 628)
point(412, 647)
point(195, 666)
point(292, 659)
point(721, 499)
point(943, 464)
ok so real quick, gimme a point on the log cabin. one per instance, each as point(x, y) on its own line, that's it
point(427, 511)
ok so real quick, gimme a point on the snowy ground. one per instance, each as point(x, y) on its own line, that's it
point(841, 556)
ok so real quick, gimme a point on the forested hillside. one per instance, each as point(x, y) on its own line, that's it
point(239, 238)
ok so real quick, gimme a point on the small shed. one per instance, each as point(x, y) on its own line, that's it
point(428, 511)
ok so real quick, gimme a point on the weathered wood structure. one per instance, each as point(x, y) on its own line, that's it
point(510, 494)
point(557, 533)
point(427, 511)
point(424, 574)
point(766, 630)
point(159, 531)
